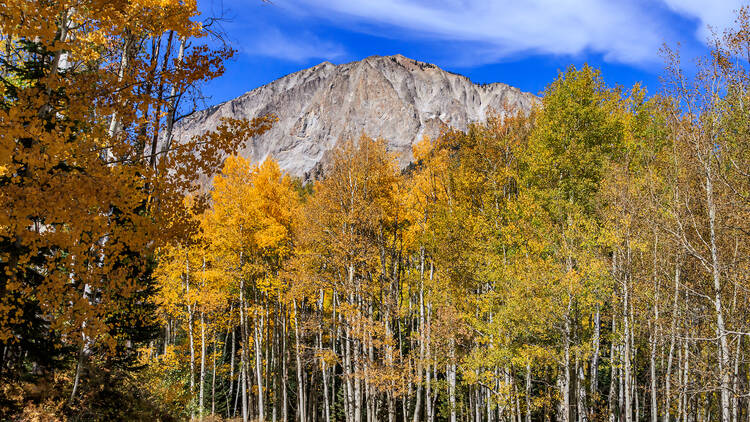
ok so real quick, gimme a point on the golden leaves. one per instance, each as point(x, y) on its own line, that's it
point(88, 190)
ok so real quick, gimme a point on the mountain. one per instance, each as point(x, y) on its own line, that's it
point(393, 97)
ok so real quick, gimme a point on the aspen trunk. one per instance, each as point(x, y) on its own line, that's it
point(451, 369)
point(735, 381)
point(323, 373)
point(349, 373)
point(203, 368)
point(149, 86)
point(429, 408)
point(594, 381)
point(79, 366)
point(267, 364)
point(231, 370)
point(357, 381)
point(300, 384)
point(334, 338)
point(190, 326)
point(63, 29)
point(615, 375)
point(243, 353)
point(173, 97)
point(213, 379)
point(672, 339)
point(114, 126)
point(370, 397)
point(628, 410)
point(418, 404)
point(581, 391)
point(654, 335)
point(680, 382)
point(159, 99)
point(614, 372)
point(389, 360)
point(724, 354)
point(284, 366)
point(243, 387)
point(685, 380)
point(490, 404)
point(528, 393)
point(652, 373)
point(565, 378)
point(274, 379)
point(257, 332)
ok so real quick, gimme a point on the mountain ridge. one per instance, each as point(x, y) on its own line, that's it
point(393, 97)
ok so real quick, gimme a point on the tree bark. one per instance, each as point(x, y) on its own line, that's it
point(724, 354)
point(300, 385)
point(628, 410)
point(452, 380)
point(257, 333)
point(594, 373)
point(243, 352)
point(203, 368)
point(672, 340)
point(528, 392)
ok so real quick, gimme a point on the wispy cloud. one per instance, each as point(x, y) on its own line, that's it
point(621, 31)
point(295, 47)
point(717, 14)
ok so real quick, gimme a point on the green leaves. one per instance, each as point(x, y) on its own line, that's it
point(578, 132)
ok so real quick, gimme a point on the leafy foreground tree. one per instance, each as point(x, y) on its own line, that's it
point(91, 185)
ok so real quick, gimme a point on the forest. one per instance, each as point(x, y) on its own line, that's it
point(586, 261)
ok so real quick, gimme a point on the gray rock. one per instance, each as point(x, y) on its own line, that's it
point(394, 98)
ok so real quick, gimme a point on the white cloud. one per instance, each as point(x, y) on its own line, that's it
point(298, 47)
point(718, 14)
point(621, 31)
point(626, 31)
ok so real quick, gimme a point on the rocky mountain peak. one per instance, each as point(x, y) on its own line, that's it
point(392, 97)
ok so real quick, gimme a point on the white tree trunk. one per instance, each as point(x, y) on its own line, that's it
point(452, 380)
point(243, 353)
point(672, 339)
point(594, 382)
point(724, 354)
point(173, 97)
point(203, 368)
point(628, 410)
point(257, 333)
point(301, 391)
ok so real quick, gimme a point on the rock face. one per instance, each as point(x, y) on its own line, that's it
point(392, 97)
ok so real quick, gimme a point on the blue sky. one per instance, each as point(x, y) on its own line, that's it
point(523, 43)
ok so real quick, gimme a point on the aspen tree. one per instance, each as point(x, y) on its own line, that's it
point(79, 237)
